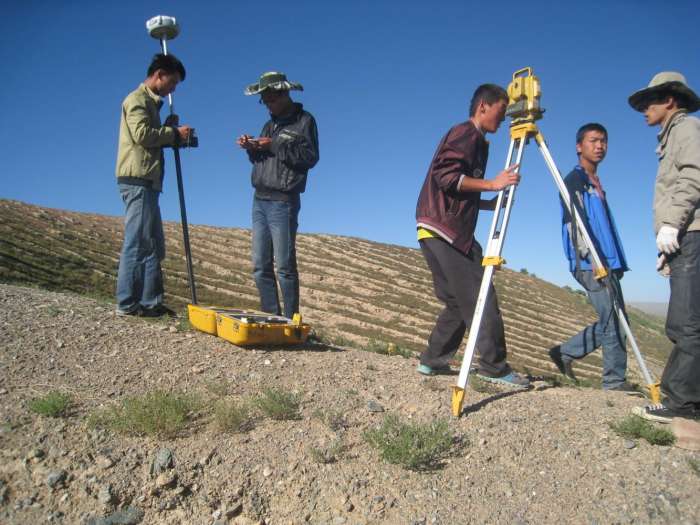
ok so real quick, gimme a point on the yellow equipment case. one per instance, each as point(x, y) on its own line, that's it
point(248, 327)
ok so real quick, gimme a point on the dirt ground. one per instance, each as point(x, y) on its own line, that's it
point(546, 455)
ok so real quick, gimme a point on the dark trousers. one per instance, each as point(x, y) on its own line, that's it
point(457, 278)
point(681, 378)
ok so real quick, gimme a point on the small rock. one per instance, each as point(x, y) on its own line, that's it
point(104, 496)
point(198, 369)
point(267, 362)
point(166, 479)
point(629, 444)
point(126, 516)
point(172, 329)
point(3, 391)
point(104, 462)
point(339, 520)
point(56, 478)
point(267, 472)
point(35, 455)
point(373, 406)
point(235, 510)
point(163, 461)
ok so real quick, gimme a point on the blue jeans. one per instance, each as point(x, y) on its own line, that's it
point(605, 332)
point(275, 226)
point(140, 280)
point(681, 378)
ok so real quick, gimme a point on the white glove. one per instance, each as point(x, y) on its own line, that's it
point(667, 239)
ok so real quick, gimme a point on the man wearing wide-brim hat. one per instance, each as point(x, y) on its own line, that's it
point(666, 102)
point(282, 156)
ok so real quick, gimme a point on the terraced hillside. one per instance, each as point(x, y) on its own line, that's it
point(352, 290)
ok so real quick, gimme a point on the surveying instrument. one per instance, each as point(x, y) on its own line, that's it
point(240, 327)
point(524, 109)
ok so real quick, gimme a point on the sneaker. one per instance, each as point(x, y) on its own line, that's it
point(626, 388)
point(512, 380)
point(564, 365)
point(438, 370)
point(662, 414)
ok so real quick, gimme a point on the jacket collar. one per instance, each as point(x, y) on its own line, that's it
point(156, 98)
point(290, 117)
point(666, 130)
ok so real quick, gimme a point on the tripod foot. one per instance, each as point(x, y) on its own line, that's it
point(655, 392)
point(457, 400)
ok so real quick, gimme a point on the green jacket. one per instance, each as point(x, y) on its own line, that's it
point(677, 191)
point(141, 138)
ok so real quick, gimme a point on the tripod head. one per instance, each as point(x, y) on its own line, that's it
point(524, 93)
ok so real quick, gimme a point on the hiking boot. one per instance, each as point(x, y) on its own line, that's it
point(436, 370)
point(626, 388)
point(563, 364)
point(663, 414)
point(511, 380)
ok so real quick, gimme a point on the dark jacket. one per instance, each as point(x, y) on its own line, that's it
point(442, 208)
point(281, 171)
point(598, 221)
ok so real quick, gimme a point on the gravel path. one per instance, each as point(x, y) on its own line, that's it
point(542, 456)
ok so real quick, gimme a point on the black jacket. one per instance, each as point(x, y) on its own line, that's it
point(281, 171)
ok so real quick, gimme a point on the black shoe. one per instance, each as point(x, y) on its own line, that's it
point(135, 312)
point(157, 311)
point(564, 365)
point(626, 388)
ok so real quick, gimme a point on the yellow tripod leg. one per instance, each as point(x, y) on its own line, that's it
point(457, 400)
point(655, 392)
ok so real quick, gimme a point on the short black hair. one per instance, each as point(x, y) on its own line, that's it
point(489, 93)
point(591, 126)
point(682, 101)
point(168, 63)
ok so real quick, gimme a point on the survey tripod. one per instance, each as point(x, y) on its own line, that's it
point(524, 109)
point(164, 28)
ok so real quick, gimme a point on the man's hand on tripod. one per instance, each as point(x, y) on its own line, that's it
point(508, 177)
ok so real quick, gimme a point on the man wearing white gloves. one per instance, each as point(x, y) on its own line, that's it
point(666, 103)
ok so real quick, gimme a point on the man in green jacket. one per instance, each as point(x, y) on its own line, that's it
point(140, 179)
point(666, 102)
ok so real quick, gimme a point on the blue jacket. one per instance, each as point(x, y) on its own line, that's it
point(599, 223)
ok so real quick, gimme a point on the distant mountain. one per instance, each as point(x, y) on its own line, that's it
point(352, 290)
point(656, 309)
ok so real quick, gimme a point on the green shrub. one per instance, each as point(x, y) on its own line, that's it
point(414, 446)
point(158, 413)
point(333, 419)
point(230, 416)
point(53, 404)
point(380, 347)
point(634, 427)
point(325, 455)
point(278, 404)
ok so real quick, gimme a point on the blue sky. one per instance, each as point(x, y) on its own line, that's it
point(384, 79)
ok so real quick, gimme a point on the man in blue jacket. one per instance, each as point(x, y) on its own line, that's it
point(282, 157)
point(588, 199)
